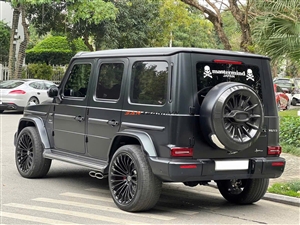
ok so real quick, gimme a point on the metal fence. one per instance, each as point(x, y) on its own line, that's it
point(4, 72)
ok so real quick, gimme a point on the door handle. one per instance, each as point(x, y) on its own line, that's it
point(38, 93)
point(79, 118)
point(113, 123)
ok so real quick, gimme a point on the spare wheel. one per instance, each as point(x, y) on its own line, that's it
point(231, 116)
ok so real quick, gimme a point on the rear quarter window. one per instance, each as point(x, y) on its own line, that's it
point(210, 74)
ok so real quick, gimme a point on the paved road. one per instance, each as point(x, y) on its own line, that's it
point(69, 196)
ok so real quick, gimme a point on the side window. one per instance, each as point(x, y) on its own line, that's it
point(109, 81)
point(77, 83)
point(37, 85)
point(149, 83)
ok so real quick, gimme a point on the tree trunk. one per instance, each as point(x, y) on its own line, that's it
point(86, 42)
point(13, 44)
point(214, 17)
point(23, 45)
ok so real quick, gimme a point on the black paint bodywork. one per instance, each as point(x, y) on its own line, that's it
point(88, 131)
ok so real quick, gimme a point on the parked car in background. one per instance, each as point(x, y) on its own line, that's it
point(282, 98)
point(16, 94)
point(295, 99)
point(284, 83)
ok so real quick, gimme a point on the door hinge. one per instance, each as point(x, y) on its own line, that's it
point(192, 110)
point(86, 139)
point(191, 141)
point(53, 133)
point(87, 111)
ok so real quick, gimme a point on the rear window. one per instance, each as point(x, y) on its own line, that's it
point(8, 84)
point(210, 74)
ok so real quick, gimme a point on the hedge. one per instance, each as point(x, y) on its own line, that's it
point(290, 130)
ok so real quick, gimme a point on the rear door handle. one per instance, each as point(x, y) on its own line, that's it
point(113, 123)
point(79, 118)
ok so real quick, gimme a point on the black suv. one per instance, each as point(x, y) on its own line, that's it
point(141, 117)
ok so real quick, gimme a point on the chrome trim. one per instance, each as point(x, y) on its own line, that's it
point(95, 136)
point(67, 131)
point(97, 121)
point(64, 116)
point(142, 126)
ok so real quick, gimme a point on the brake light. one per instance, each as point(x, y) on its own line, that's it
point(181, 152)
point(274, 150)
point(17, 92)
point(222, 61)
point(278, 163)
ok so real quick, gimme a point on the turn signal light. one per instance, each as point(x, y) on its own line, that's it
point(221, 61)
point(274, 150)
point(17, 92)
point(181, 152)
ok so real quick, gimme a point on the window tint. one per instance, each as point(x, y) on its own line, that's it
point(210, 74)
point(77, 83)
point(49, 85)
point(109, 81)
point(149, 83)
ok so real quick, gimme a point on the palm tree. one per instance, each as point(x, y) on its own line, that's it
point(277, 29)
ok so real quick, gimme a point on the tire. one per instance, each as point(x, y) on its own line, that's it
point(231, 116)
point(294, 102)
point(33, 100)
point(132, 184)
point(29, 154)
point(243, 191)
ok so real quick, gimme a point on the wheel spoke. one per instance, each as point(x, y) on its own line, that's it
point(250, 107)
point(252, 125)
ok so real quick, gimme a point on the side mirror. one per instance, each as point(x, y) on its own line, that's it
point(53, 92)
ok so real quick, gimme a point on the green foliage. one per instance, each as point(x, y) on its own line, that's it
point(291, 112)
point(290, 130)
point(55, 50)
point(291, 149)
point(291, 188)
point(277, 29)
point(4, 42)
point(39, 71)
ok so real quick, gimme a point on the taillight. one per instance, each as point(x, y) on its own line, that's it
point(222, 61)
point(17, 92)
point(274, 150)
point(181, 152)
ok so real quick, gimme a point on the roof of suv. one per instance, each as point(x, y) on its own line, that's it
point(161, 51)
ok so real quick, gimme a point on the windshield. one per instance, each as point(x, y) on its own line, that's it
point(9, 84)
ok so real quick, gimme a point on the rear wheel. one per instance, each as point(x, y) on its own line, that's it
point(29, 154)
point(33, 101)
point(294, 102)
point(243, 191)
point(132, 184)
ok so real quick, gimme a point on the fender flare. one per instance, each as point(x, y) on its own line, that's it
point(143, 137)
point(39, 124)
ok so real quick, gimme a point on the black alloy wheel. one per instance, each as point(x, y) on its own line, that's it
point(29, 154)
point(132, 184)
point(124, 179)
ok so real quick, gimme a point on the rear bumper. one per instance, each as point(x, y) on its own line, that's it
point(10, 106)
point(204, 169)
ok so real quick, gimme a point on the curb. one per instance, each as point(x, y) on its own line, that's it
point(282, 199)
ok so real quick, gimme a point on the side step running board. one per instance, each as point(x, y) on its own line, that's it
point(98, 165)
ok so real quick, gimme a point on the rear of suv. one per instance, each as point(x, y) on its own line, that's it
point(141, 117)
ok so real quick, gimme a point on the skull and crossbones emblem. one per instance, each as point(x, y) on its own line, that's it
point(207, 72)
point(250, 75)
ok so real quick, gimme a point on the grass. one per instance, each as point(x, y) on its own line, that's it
point(289, 189)
point(290, 149)
point(291, 112)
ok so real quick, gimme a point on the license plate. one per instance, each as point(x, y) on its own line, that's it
point(222, 165)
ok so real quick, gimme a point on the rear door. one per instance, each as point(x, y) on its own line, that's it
point(105, 105)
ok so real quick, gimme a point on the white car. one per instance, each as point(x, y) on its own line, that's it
point(17, 94)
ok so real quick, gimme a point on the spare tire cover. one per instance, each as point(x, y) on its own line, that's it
point(231, 116)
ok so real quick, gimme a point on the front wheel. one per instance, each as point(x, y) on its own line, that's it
point(29, 154)
point(294, 102)
point(243, 192)
point(132, 184)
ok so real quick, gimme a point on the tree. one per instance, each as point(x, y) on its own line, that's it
point(4, 42)
point(277, 29)
point(213, 12)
